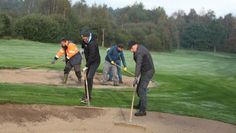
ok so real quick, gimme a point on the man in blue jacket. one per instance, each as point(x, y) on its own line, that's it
point(119, 70)
point(112, 59)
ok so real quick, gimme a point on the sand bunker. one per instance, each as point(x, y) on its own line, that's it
point(52, 77)
point(74, 119)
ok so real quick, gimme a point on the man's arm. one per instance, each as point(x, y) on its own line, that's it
point(92, 53)
point(139, 60)
point(123, 58)
point(60, 53)
point(109, 53)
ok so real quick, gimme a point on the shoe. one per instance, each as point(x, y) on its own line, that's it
point(64, 81)
point(116, 85)
point(140, 113)
point(103, 83)
point(84, 100)
point(121, 82)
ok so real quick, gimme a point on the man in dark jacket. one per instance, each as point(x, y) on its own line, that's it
point(144, 72)
point(92, 57)
point(72, 58)
point(112, 60)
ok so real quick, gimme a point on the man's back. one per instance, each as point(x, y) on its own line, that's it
point(113, 54)
point(143, 59)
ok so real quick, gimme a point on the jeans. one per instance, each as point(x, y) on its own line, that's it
point(68, 68)
point(90, 75)
point(119, 72)
point(142, 89)
point(106, 69)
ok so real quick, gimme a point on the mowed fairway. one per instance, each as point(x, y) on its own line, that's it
point(199, 84)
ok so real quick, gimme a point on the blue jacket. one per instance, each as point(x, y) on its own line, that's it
point(115, 55)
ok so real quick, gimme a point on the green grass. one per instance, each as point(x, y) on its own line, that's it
point(18, 54)
point(199, 84)
point(31, 94)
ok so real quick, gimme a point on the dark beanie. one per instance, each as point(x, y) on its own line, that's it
point(64, 38)
point(131, 43)
point(85, 33)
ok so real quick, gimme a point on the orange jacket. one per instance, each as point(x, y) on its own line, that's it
point(70, 51)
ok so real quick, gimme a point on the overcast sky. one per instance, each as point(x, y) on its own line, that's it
point(220, 7)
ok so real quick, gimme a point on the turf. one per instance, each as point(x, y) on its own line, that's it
point(193, 83)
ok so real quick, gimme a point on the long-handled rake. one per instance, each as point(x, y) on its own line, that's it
point(86, 87)
point(31, 67)
point(34, 66)
point(130, 124)
point(39, 65)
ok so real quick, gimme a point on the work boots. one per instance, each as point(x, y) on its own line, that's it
point(140, 113)
point(65, 78)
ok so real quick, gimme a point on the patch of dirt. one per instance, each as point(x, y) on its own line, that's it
point(52, 77)
point(74, 119)
point(38, 113)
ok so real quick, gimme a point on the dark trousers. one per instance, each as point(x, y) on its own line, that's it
point(68, 68)
point(142, 89)
point(90, 75)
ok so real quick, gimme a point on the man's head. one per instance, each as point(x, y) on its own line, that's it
point(120, 47)
point(85, 35)
point(64, 41)
point(132, 46)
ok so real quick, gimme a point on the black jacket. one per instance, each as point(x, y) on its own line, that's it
point(143, 61)
point(91, 52)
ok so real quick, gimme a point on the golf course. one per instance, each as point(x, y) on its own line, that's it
point(187, 83)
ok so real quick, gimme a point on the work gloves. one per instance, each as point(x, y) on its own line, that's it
point(85, 69)
point(82, 51)
point(53, 61)
point(125, 69)
point(135, 82)
point(113, 63)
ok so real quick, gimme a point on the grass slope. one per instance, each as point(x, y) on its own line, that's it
point(191, 83)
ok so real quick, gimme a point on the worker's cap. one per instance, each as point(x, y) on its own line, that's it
point(85, 33)
point(120, 45)
point(63, 39)
point(131, 43)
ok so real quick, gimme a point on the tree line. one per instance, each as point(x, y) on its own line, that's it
point(48, 20)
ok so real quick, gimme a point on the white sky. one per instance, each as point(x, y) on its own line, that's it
point(220, 7)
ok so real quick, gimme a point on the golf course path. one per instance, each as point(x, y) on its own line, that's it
point(74, 119)
point(53, 77)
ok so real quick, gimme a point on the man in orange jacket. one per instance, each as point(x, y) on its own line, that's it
point(72, 58)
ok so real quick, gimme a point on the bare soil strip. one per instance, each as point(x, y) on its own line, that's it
point(52, 77)
point(74, 119)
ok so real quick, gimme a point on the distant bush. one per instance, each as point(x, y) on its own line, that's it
point(5, 25)
point(66, 28)
point(38, 28)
